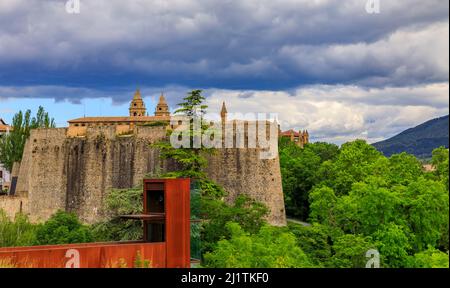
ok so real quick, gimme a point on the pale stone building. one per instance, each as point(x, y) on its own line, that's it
point(138, 116)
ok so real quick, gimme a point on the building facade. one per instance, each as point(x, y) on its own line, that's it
point(300, 138)
point(138, 116)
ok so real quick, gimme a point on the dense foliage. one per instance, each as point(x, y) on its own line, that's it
point(191, 161)
point(244, 212)
point(355, 198)
point(212, 209)
point(113, 228)
point(62, 228)
point(12, 144)
point(299, 173)
point(269, 247)
point(16, 232)
point(361, 200)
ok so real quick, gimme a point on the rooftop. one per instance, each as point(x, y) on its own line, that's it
point(3, 126)
point(120, 119)
point(289, 133)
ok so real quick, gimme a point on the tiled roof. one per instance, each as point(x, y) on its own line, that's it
point(120, 119)
point(289, 133)
point(3, 126)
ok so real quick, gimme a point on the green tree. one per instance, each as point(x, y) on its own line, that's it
point(323, 203)
point(314, 240)
point(427, 212)
point(271, 247)
point(350, 251)
point(372, 206)
point(350, 166)
point(17, 232)
point(248, 213)
point(113, 228)
point(299, 173)
point(63, 228)
point(430, 258)
point(326, 151)
point(362, 200)
point(393, 244)
point(12, 144)
point(440, 162)
point(191, 160)
point(403, 169)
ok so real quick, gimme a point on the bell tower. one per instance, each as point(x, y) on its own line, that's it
point(137, 105)
point(223, 112)
point(162, 109)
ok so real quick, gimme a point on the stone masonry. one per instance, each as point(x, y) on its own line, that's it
point(75, 173)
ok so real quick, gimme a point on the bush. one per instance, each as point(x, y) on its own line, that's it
point(248, 213)
point(19, 232)
point(350, 251)
point(271, 247)
point(63, 228)
point(431, 258)
point(314, 240)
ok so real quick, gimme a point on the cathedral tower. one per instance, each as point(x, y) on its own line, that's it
point(162, 109)
point(137, 105)
point(223, 112)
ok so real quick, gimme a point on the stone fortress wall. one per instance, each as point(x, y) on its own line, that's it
point(59, 171)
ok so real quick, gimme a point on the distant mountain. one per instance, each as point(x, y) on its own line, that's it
point(419, 141)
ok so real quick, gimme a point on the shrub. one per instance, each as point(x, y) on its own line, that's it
point(271, 247)
point(63, 228)
point(19, 232)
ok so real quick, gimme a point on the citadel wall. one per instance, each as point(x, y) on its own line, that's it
point(75, 173)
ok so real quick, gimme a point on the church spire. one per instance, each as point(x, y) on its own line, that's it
point(137, 105)
point(137, 94)
point(223, 112)
point(162, 109)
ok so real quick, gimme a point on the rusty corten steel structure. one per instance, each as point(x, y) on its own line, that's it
point(166, 243)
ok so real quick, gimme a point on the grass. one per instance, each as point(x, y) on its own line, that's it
point(7, 263)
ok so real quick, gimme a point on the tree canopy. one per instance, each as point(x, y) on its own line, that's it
point(13, 143)
point(361, 198)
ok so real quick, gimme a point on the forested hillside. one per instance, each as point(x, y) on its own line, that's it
point(419, 141)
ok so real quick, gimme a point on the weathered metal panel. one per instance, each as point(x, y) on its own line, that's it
point(178, 223)
point(173, 253)
point(88, 255)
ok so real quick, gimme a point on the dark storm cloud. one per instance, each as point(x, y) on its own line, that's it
point(323, 65)
point(223, 44)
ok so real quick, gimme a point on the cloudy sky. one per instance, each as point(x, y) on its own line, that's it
point(322, 65)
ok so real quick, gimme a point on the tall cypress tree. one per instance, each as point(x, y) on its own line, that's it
point(13, 143)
